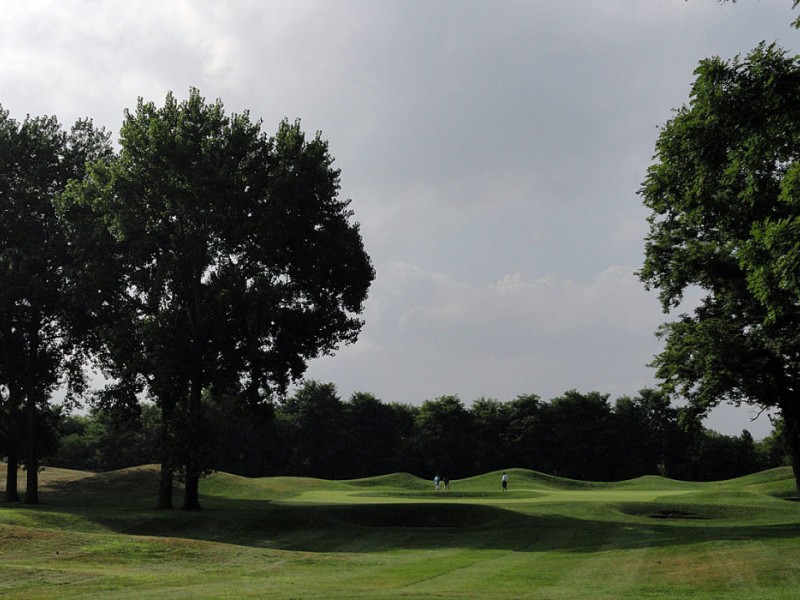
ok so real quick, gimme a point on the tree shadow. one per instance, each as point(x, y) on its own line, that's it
point(384, 526)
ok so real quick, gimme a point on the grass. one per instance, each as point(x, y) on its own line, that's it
point(96, 536)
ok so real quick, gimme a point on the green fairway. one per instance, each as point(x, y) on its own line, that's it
point(395, 537)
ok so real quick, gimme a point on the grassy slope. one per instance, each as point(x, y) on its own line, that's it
point(394, 536)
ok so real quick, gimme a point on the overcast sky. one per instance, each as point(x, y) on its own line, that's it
point(492, 152)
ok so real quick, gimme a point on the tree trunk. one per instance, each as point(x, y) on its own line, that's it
point(194, 438)
point(32, 398)
point(12, 469)
point(165, 476)
point(165, 487)
point(31, 451)
point(191, 491)
point(12, 495)
point(791, 434)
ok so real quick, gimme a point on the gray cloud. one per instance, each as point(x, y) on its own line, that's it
point(492, 151)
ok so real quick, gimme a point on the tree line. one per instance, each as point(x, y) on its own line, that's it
point(315, 433)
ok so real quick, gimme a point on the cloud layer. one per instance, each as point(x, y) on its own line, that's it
point(492, 152)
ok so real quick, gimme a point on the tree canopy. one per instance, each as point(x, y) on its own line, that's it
point(722, 192)
point(316, 434)
point(236, 258)
point(40, 316)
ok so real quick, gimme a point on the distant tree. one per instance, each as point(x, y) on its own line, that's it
point(772, 449)
point(373, 435)
point(490, 421)
point(245, 438)
point(317, 416)
point(632, 434)
point(407, 457)
point(76, 449)
point(578, 439)
point(239, 261)
point(125, 435)
point(665, 436)
point(724, 199)
point(39, 315)
point(445, 437)
point(106, 439)
point(525, 435)
point(651, 436)
point(725, 457)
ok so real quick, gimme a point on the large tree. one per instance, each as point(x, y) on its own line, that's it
point(723, 194)
point(239, 261)
point(39, 316)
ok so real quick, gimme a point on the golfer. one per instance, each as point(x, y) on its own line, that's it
point(504, 481)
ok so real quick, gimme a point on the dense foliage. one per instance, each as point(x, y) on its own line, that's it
point(235, 262)
point(316, 434)
point(41, 320)
point(201, 266)
point(725, 207)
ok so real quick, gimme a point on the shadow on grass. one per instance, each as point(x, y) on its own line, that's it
point(387, 526)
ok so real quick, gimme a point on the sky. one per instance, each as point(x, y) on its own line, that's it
point(492, 152)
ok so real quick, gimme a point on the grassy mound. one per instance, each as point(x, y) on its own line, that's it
point(399, 481)
point(226, 485)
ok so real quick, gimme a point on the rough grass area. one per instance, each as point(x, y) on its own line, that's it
point(97, 536)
